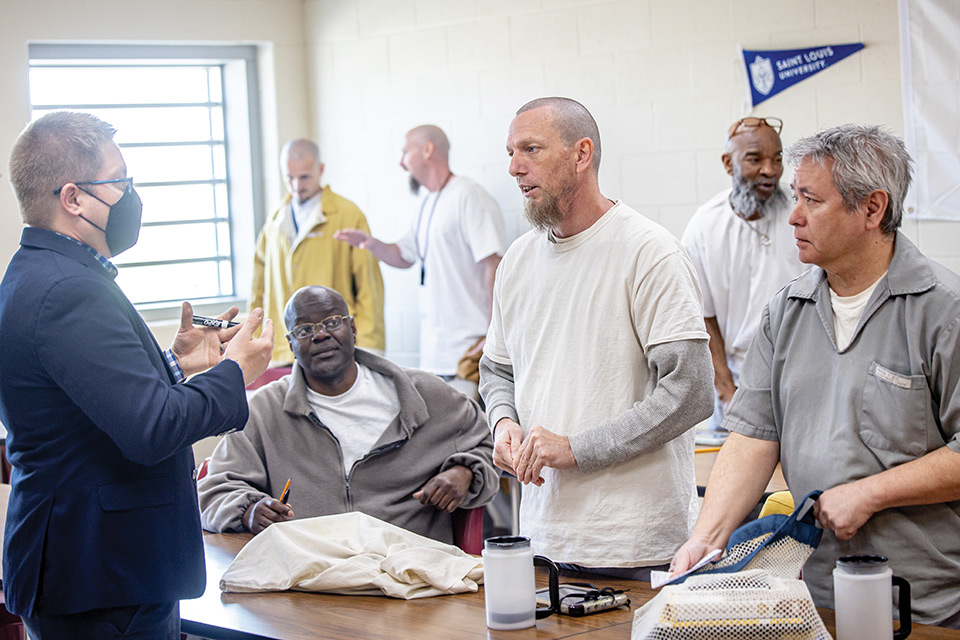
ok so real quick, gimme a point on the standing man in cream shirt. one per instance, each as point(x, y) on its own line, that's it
point(596, 365)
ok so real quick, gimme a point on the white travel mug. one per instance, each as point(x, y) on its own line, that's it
point(509, 586)
point(863, 599)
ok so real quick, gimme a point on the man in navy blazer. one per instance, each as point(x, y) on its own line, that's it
point(102, 534)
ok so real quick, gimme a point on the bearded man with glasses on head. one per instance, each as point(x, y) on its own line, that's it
point(743, 250)
point(353, 432)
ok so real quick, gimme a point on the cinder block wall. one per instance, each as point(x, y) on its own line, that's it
point(662, 77)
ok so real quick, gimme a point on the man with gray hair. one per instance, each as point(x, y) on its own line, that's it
point(296, 248)
point(743, 250)
point(458, 238)
point(853, 383)
point(596, 365)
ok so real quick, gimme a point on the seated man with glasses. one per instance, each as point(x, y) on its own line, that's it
point(352, 432)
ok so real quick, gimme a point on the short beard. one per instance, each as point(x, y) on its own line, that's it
point(746, 202)
point(544, 215)
point(414, 185)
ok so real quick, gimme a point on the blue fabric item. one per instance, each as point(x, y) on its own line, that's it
point(173, 366)
point(159, 621)
point(102, 259)
point(804, 531)
point(111, 270)
point(103, 507)
point(771, 71)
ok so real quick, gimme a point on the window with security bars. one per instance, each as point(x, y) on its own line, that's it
point(172, 128)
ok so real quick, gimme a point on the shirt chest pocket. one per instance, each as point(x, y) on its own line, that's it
point(896, 413)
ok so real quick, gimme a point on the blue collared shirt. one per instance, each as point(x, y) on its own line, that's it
point(110, 268)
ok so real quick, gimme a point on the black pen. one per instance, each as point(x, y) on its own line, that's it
point(216, 323)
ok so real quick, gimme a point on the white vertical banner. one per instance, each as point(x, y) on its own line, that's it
point(930, 74)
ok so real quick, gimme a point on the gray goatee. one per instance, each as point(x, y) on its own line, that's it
point(544, 215)
point(746, 201)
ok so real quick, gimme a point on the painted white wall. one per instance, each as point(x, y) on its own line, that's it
point(276, 25)
point(662, 77)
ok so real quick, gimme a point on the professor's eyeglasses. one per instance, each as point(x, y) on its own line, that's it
point(127, 183)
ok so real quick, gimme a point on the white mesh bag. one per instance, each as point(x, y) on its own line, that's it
point(778, 543)
point(746, 605)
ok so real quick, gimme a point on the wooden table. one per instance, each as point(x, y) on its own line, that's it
point(291, 615)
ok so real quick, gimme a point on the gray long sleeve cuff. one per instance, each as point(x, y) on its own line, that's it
point(496, 389)
point(682, 397)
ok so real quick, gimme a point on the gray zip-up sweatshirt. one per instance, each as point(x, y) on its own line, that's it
point(437, 428)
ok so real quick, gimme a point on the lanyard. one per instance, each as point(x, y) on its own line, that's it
point(426, 239)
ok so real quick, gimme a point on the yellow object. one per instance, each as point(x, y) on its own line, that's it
point(279, 270)
point(707, 450)
point(778, 502)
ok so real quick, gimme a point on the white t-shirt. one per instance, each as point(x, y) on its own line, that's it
point(359, 416)
point(299, 218)
point(574, 319)
point(455, 229)
point(738, 273)
point(847, 311)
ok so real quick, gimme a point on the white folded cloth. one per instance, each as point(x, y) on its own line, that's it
point(351, 553)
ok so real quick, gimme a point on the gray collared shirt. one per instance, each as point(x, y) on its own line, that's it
point(890, 397)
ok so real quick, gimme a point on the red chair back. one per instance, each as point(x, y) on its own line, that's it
point(5, 468)
point(269, 376)
point(11, 627)
point(202, 469)
point(468, 530)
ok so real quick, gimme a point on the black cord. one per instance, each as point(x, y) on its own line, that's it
point(593, 594)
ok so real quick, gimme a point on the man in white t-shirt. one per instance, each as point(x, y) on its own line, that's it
point(743, 250)
point(352, 432)
point(596, 365)
point(458, 238)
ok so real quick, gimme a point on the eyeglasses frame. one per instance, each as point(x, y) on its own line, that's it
point(128, 180)
point(315, 325)
point(741, 123)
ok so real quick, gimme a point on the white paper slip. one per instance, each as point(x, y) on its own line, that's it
point(661, 578)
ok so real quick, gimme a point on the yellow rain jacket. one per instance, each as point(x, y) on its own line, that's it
point(317, 258)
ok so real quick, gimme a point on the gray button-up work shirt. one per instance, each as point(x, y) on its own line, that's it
point(890, 397)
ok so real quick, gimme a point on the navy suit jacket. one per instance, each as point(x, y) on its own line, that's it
point(103, 507)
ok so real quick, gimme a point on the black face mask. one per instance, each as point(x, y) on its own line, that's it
point(123, 221)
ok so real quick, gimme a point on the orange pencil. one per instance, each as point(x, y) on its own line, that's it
point(285, 494)
point(708, 450)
